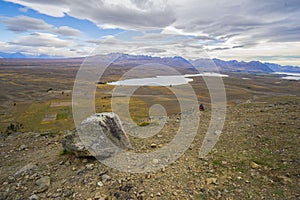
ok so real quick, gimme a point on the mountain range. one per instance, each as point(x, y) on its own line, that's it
point(202, 64)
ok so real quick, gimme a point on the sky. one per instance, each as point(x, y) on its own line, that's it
point(268, 31)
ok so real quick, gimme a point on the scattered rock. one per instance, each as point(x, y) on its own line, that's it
point(90, 166)
point(99, 196)
point(27, 169)
point(11, 179)
point(43, 183)
point(212, 181)
point(34, 197)
point(284, 179)
point(22, 147)
point(254, 165)
point(224, 162)
point(100, 135)
point(148, 176)
point(100, 184)
point(67, 193)
point(153, 145)
point(105, 178)
point(155, 161)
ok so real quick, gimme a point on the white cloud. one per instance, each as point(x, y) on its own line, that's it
point(55, 8)
point(108, 13)
point(24, 23)
point(67, 31)
point(70, 50)
point(282, 53)
point(42, 40)
point(259, 19)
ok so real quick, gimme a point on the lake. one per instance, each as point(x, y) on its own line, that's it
point(289, 76)
point(164, 80)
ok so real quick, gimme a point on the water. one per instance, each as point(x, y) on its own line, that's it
point(289, 76)
point(164, 80)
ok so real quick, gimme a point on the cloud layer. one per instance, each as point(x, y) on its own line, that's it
point(242, 29)
point(25, 24)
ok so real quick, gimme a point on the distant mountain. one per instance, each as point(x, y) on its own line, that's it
point(180, 63)
point(12, 55)
point(23, 56)
point(280, 68)
point(241, 66)
point(236, 66)
point(128, 61)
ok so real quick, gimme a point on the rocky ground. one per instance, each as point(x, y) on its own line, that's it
point(256, 157)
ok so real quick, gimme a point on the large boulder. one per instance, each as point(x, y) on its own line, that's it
point(100, 135)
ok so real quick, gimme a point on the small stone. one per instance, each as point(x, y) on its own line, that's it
point(11, 179)
point(22, 147)
point(55, 195)
point(67, 193)
point(105, 178)
point(148, 176)
point(99, 184)
point(254, 165)
point(175, 193)
point(34, 197)
point(155, 161)
point(59, 190)
point(218, 132)
point(90, 166)
point(284, 179)
point(43, 183)
point(158, 194)
point(26, 169)
point(153, 145)
point(97, 195)
point(224, 162)
point(212, 181)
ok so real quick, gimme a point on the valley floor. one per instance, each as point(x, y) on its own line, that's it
point(256, 157)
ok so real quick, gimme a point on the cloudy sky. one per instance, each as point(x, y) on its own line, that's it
point(232, 29)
